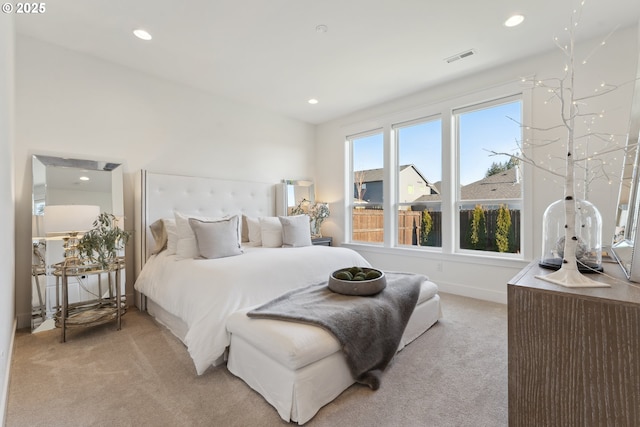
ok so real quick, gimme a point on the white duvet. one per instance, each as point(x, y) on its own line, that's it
point(203, 293)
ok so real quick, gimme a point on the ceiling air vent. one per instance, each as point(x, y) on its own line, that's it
point(460, 55)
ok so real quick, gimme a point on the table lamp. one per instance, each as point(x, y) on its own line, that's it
point(69, 221)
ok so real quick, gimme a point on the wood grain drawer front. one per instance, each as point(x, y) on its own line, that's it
point(573, 361)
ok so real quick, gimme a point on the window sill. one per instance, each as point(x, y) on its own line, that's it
point(515, 260)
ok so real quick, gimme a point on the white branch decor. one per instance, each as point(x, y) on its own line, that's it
point(573, 111)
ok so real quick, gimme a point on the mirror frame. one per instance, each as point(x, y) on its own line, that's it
point(623, 246)
point(46, 308)
point(44, 161)
point(288, 194)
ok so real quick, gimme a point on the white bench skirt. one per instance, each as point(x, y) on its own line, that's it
point(299, 368)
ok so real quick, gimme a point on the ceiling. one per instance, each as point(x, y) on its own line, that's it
point(269, 54)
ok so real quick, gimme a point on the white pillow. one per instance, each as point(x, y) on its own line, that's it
point(271, 232)
point(254, 231)
point(296, 231)
point(217, 239)
point(187, 247)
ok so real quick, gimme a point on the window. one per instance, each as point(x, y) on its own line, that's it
point(368, 186)
point(447, 177)
point(489, 184)
point(419, 168)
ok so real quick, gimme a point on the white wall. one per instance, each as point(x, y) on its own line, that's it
point(76, 105)
point(7, 251)
point(473, 276)
point(73, 104)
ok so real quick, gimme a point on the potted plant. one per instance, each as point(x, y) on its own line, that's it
point(318, 212)
point(102, 243)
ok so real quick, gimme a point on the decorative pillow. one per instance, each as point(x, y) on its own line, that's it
point(159, 236)
point(187, 246)
point(254, 232)
point(271, 232)
point(244, 236)
point(217, 239)
point(172, 235)
point(296, 231)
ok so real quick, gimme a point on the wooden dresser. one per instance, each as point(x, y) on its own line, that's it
point(574, 353)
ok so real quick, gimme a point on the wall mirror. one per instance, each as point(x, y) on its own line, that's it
point(291, 193)
point(73, 184)
point(628, 214)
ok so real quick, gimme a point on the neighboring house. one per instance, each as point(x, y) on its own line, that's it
point(503, 185)
point(411, 185)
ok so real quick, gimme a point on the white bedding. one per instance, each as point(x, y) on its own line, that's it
point(203, 293)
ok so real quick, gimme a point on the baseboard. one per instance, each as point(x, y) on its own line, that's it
point(5, 386)
point(471, 292)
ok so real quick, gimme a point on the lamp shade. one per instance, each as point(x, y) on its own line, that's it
point(63, 219)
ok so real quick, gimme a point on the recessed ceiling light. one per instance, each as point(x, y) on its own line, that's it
point(84, 178)
point(142, 34)
point(514, 20)
point(312, 101)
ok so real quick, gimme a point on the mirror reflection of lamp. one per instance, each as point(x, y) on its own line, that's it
point(69, 222)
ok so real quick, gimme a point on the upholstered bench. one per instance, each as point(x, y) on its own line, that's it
point(299, 368)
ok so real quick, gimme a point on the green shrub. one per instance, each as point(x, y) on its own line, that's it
point(503, 227)
point(478, 235)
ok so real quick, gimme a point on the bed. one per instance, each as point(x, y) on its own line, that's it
point(223, 286)
point(193, 297)
point(204, 301)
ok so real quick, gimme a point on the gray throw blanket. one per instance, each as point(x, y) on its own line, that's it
point(369, 328)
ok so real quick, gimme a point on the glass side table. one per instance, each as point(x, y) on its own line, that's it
point(107, 307)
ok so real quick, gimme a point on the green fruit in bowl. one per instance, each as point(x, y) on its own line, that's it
point(372, 274)
point(357, 274)
point(355, 270)
point(343, 275)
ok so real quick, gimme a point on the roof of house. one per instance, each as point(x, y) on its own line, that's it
point(503, 185)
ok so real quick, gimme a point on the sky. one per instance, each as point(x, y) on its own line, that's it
point(420, 144)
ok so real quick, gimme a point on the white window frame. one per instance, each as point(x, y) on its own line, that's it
point(458, 197)
point(350, 205)
point(449, 187)
point(396, 170)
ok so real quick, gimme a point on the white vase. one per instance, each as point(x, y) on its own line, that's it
point(315, 228)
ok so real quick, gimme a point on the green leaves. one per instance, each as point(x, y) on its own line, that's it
point(502, 229)
point(101, 244)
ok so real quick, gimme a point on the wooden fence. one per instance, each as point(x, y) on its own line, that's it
point(368, 226)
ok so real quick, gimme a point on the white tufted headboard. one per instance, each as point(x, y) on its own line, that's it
point(159, 195)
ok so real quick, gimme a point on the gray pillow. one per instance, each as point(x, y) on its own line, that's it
point(160, 230)
point(296, 231)
point(245, 230)
point(217, 239)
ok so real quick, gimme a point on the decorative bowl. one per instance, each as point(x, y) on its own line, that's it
point(358, 287)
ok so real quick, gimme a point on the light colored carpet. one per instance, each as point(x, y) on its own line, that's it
point(453, 375)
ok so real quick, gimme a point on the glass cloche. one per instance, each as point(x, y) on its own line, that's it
point(589, 231)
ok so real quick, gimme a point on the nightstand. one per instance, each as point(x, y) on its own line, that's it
point(107, 306)
point(322, 241)
point(573, 352)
